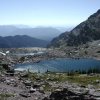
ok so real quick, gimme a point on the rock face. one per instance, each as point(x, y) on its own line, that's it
point(86, 31)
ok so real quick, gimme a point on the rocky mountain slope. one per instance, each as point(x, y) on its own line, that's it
point(86, 31)
point(21, 41)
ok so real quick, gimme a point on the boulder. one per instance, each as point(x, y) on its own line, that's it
point(32, 90)
point(25, 94)
point(27, 83)
point(67, 94)
point(97, 81)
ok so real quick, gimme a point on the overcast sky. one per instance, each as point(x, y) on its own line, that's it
point(46, 12)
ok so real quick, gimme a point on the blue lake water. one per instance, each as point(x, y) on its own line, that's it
point(60, 65)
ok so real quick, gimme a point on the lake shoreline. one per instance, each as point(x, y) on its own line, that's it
point(60, 65)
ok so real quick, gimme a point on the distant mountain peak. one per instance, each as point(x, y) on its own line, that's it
point(44, 33)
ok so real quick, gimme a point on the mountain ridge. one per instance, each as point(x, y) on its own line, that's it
point(44, 33)
point(86, 31)
point(21, 41)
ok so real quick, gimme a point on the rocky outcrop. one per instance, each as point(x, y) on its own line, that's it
point(66, 94)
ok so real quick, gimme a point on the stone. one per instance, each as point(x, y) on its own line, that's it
point(90, 86)
point(97, 81)
point(25, 94)
point(36, 85)
point(8, 82)
point(2, 79)
point(41, 89)
point(95, 94)
point(32, 90)
point(27, 83)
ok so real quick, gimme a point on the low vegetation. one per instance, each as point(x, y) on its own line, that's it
point(75, 77)
point(4, 96)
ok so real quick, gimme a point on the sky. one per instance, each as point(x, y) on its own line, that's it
point(46, 12)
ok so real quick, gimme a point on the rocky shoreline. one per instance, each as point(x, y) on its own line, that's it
point(18, 55)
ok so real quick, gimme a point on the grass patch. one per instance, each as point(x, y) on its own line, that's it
point(4, 96)
point(82, 79)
